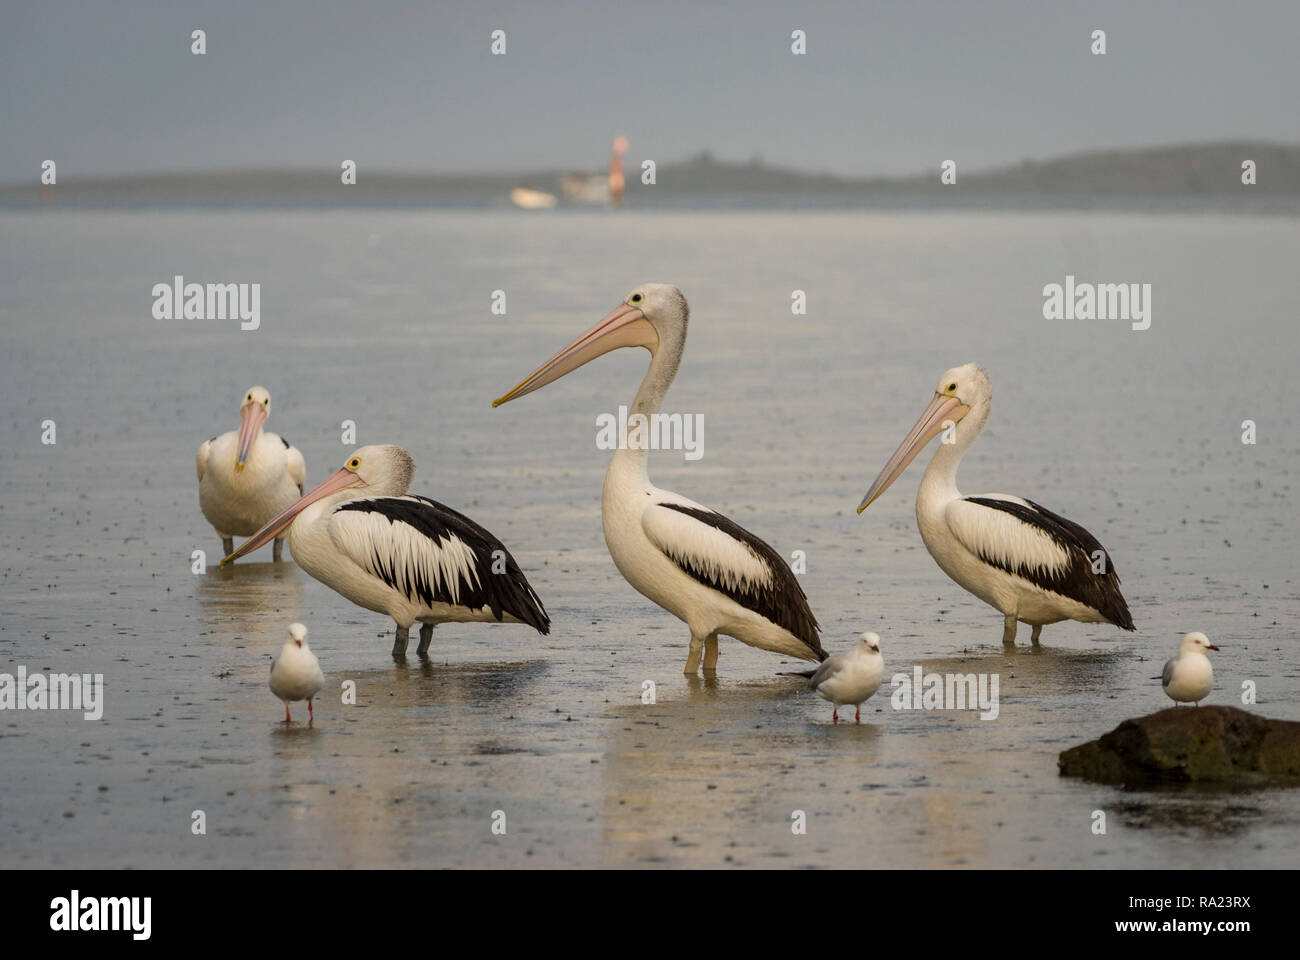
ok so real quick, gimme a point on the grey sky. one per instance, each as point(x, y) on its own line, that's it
point(884, 88)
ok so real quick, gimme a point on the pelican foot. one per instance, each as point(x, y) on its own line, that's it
point(400, 641)
point(426, 635)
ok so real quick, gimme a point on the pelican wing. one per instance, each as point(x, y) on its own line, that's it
point(432, 554)
point(295, 464)
point(201, 459)
point(721, 554)
point(1031, 542)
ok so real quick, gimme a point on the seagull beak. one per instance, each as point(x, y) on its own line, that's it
point(625, 327)
point(342, 479)
point(252, 416)
point(1210, 646)
point(942, 410)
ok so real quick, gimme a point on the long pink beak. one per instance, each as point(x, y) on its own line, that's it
point(941, 410)
point(251, 416)
point(341, 479)
point(625, 327)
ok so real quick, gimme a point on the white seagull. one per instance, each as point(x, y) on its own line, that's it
point(295, 672)
point(850, 677)
point(247, 476)
point(1188, 677)
point(407, 556)
point(700, 566)
point(1032, 565)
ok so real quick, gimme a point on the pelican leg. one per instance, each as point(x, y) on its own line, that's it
point(693, 658)
point(711, 655)
point(276, 548)
point(426, 634)
point(399, 642)
point(227, 545)
point(1038, 629)
point(1009, 630)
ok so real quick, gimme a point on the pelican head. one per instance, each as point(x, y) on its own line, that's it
point(653, 315)
point(1195, 643)
point(382, 470)
point(959, 391)
point(870, 642)
point(297, 634)
point(252, 414)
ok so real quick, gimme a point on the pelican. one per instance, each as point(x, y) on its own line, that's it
point(247, 476)
point(1030, 564)
point(700, 566)
point(360, 534)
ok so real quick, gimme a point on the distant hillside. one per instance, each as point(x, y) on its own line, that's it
point(1191, 174)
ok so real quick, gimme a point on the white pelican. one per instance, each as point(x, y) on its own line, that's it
point(1032, 565)
point(406, 556)
point(850, 677)
point(247, 476)
point(1189, 678)
point(295, 672)
point(697, 564)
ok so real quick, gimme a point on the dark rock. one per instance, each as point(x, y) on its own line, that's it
point(1187, 744)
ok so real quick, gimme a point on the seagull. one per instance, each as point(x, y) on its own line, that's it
point(1188, 677)
point(295, 672)
point(850, 677)
point(247, 476)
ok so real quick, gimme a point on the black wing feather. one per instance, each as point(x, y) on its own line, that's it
point(508, 592)
point(1077, 580)
point(784, 603)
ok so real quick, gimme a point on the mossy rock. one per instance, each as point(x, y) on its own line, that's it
point(1191, 744)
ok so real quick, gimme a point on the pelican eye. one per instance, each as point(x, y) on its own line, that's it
point(952, 388)
point(249, 397)
point(636, 298)
point(354, 463)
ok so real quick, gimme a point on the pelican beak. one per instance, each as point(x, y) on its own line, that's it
point(625, 327)
point(252, 416)
point(342, 479)
point(941, 411)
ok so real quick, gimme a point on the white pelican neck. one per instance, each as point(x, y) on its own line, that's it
point(940, 477)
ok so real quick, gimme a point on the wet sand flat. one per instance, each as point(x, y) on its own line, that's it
point(384, 319)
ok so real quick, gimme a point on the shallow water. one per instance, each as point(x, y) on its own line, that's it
point(383, 318)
